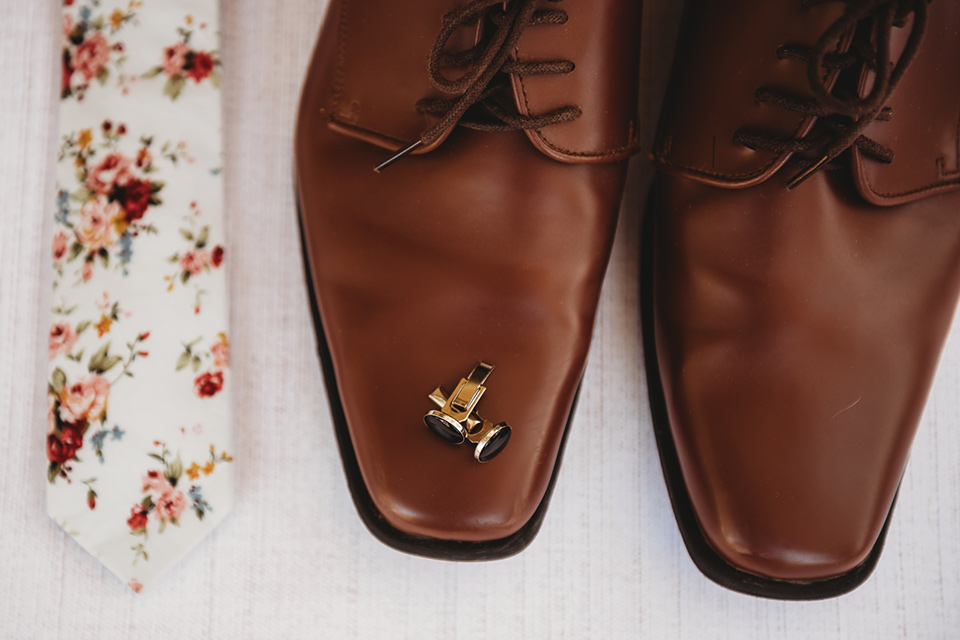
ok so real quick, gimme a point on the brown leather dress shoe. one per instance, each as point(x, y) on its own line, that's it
point(470, 267)
point(802, 266)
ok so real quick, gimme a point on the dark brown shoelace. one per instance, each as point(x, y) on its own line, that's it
point(489, 69)
point(842, 118)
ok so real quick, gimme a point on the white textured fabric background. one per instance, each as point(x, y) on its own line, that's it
point(294, 560)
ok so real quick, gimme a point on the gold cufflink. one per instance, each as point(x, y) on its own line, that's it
point(456, 421)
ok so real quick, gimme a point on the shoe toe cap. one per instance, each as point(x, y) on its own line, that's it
point(761, 545)
point(802, 501)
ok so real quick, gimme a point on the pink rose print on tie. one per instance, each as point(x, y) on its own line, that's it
point(195, 260)
point(84, 400)
point(97, 229)
point(63, 335)
point(114, 171)
point(170, 506)
point(157, 482)
point(73, 406)
point(164, 502)
point(174, 59)
point(88, 55)
point(62, 338)
point(180, 62)
point(91, 56)
point(110, 205)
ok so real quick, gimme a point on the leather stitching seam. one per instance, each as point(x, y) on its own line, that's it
point(632, 146)
point(352, 125)
point(952, 172)
point(937, 186)
point(660, 157)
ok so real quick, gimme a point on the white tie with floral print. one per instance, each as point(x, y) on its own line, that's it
point(139, 424)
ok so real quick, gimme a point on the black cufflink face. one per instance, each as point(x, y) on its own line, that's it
point(456, 420)
point(445, 427)
point(494, 439)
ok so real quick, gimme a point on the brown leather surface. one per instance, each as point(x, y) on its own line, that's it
point(925, 134)
point(374, 88)
point(375, 91)
point(598, 34)
point(798, 331)
point(484, 249)
point(727, 51)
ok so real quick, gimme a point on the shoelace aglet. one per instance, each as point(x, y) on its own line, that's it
point(410, 148)
point(798, 179)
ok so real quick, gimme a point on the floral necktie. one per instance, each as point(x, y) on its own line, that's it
point(139, 422)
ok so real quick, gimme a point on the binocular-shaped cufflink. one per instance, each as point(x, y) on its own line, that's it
point(456, 421)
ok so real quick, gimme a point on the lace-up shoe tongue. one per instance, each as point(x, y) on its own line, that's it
point(395, 41)
point(731, 52)
point(763, 108)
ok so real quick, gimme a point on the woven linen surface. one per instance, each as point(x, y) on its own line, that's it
point(293, 560)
